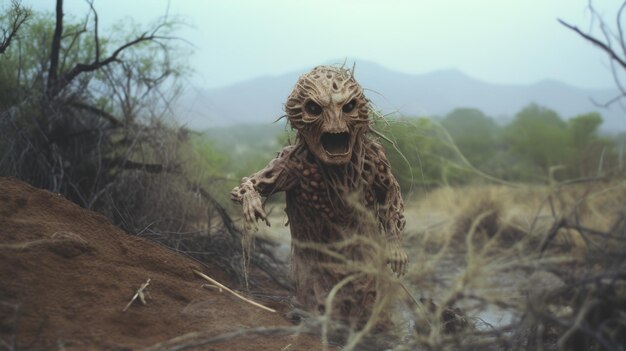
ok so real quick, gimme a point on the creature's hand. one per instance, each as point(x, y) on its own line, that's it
point(253, 208)
point(397, 258)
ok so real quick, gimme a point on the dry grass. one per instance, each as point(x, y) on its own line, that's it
point(549, 261)
point(491, 268)
point(495, 268)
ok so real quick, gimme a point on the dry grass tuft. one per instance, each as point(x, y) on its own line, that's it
point(532, 267)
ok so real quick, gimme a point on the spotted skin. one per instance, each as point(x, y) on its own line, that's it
point(332, 188)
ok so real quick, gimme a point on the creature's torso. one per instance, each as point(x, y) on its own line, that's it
point(336, 213)
point(323, 201)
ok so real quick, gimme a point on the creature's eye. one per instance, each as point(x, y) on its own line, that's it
point(347, 108)
point(313, 108)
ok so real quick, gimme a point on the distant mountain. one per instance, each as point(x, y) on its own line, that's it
point(437, 93)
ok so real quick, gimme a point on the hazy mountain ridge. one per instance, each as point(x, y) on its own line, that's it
point(260, 100)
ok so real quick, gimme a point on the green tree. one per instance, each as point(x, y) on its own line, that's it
point(584, 128)
point(588, 149)
point(538, 138)
point(474, 133)
point(422, 154)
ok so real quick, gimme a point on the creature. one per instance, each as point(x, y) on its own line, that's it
point(334, 176)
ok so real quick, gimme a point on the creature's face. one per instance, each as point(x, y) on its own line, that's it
point(329, 110)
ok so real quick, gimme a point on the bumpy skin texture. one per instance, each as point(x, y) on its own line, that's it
point(334, 177)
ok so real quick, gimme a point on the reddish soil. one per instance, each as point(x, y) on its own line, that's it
point(67, 273)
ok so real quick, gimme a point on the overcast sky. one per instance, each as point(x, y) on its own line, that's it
point(504, 41)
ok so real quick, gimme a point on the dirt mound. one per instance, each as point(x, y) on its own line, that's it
point(67, 273)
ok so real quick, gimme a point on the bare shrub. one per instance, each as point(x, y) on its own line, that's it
point(90, 118)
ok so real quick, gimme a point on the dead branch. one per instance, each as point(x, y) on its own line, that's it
point(55, 84)
point(80, 68)
point(98, 112)
point(55, 50)
point(263, 257)
point(617, 55)
point(154, 168)
point(228, 222)
point(595, 41)
point(18, 16)
point(95, 29)
point(74, 36)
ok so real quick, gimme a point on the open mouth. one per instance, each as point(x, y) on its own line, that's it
point(336, 143)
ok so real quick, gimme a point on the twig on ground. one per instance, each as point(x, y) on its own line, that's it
point(139, 294)
point(212, 287)
point(215, 282)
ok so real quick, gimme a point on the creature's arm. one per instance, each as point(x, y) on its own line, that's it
point(277, 176)
point(390, 211)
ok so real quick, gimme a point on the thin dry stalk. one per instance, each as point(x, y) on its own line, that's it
point(139, 294)
point(215, 282)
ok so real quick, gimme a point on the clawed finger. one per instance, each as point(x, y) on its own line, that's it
point(398, 263)
point(404, 265)
point(253, 211)
point(260, 214)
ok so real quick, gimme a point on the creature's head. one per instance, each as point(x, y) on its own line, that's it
point(328, 109)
